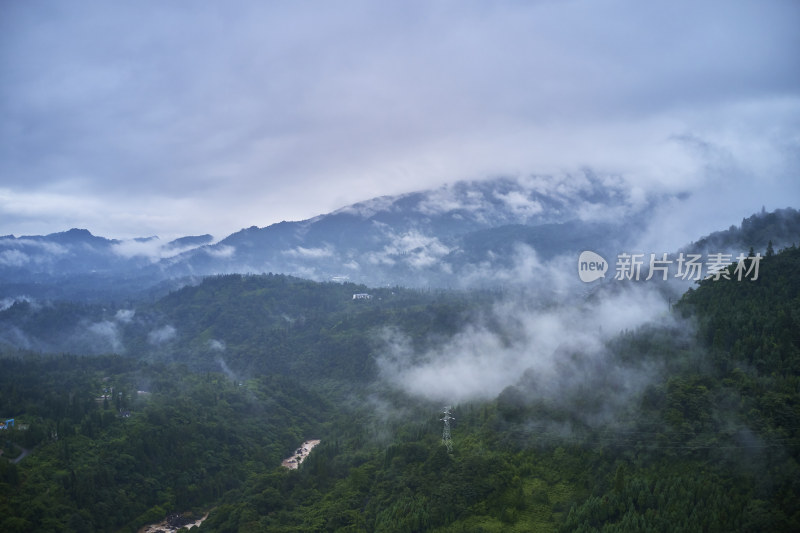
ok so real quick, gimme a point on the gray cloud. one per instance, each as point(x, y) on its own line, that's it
point(7, 302)
point(162, 334)
point(310, 253)
point(14, 258)
point(107, 336)
point(160, 118)
point(125, 316)
point(222, 251)
point(411, 247)
point(154, 249)
point(216, 345)
point(24, 252)
point(482, 360)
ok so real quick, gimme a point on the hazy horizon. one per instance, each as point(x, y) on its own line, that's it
point(181, 119)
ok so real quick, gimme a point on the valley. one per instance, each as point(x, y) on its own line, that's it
point(399, 267)
point(621, 408)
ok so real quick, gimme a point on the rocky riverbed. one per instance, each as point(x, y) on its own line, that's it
point(293, 461)
point(173, 523)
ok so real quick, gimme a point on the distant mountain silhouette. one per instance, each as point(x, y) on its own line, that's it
point(476, 233)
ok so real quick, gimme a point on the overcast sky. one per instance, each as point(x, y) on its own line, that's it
point(185, 117)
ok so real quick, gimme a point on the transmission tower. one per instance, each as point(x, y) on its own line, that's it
point(446, 440)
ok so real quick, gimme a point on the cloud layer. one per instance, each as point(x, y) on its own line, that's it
point(184, 118)
point(520, 336)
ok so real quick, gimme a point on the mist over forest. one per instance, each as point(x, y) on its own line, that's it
point(399, 267)
point(617, 404)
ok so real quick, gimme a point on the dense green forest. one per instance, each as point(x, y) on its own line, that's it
point(219, 381)
point(119, 443)
point(713, 446)
point(258, 324)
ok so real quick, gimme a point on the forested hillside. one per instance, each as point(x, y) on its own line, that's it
point(711, 446)
point(118, 443)
point(780, 228)
point(222, 380)
point(276, 324)
point(251, 324)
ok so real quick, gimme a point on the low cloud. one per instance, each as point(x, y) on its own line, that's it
point(520, 204)
point(310, 253)
point(367, 208)
point(151, 248)
point(6, 303)
point(14, 258)
point(226, 369)
point(216, 345)
point(125, 316)
point(379, 258)
point(223, 251)
point(25, 252)
point(14, 336)
point(527, 271)
point(413, 248)
point(452, 198)
point(352, 265)
point(562, 346)
point(162, 335)
point(107, 333)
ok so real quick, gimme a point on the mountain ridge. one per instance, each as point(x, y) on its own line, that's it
point(459, 235)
